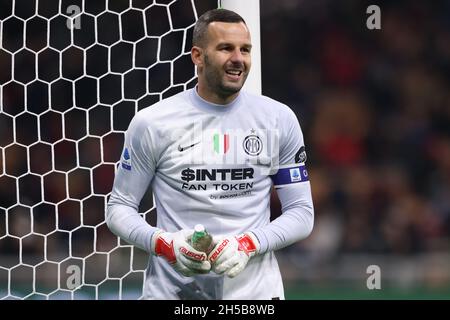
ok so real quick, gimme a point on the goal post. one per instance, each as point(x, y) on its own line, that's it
point(73, 74)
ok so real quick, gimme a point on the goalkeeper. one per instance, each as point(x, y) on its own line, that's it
point(211, 155)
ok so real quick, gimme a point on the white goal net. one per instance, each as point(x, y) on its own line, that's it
point(72, 75)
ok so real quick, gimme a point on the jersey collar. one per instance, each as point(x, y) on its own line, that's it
point(207, 106)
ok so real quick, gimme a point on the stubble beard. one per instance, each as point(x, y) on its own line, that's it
point(215, 82)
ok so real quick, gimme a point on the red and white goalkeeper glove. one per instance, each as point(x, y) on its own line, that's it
point(174, 247)
point(231, 254)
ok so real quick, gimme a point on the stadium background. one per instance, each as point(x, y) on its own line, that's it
point(374, 106)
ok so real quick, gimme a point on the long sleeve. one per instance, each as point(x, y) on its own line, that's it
point(296, 221)
point(293, 188)
point(133, 176)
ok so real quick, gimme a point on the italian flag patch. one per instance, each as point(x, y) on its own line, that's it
point(221, 143)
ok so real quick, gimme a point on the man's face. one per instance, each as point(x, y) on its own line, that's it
point(226, 58)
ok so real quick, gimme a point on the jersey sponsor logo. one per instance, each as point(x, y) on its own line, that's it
point(221, 180)
point(252, 145)
point(181, 149)
point(300, 156)
point(189, 174)
point(221, 143)
point(126, 160)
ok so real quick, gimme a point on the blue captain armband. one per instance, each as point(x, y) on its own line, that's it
point(290, 174)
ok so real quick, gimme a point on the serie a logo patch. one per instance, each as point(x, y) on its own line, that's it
point(295, 175)
point(126, 161)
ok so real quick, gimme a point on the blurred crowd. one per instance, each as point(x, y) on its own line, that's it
point(374, 106)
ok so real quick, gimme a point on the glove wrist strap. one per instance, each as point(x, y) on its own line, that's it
point(248, 244)
point(163, 247)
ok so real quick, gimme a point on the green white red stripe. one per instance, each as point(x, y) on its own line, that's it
point(221, 143)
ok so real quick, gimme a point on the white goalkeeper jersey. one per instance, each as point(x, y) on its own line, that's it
point(214, 165)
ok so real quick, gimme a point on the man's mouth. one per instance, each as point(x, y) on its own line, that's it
point(233, 74)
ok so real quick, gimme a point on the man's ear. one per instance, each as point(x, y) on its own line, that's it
point(197, 56)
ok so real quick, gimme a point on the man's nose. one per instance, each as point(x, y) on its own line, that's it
point(237, 56)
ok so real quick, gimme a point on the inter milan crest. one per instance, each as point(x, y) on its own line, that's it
point(252, 144)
